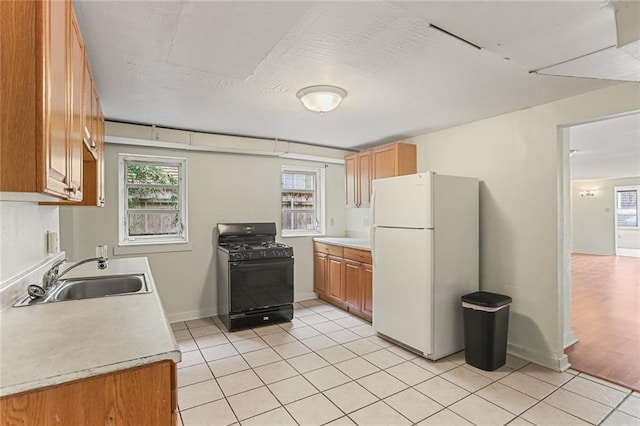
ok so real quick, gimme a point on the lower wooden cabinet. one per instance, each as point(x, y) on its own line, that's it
point(319, 272)
point(353, 277)
point(367, 307)
point(145, 395)
point(335, 281)
point(343, 277)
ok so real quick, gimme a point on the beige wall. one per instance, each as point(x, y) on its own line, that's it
point(516, 157)
point(593, 218)
point(221, 188)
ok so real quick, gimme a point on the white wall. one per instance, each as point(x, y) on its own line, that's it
point(221, 188)
point(515, 156)
point(358, 225)
point(23, 243)
point(593, 218)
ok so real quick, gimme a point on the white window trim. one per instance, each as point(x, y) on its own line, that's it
point(321, 200)
point(123, 238)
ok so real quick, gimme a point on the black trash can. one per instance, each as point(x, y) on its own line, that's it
point(486, 322)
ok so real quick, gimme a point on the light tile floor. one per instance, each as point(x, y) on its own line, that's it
point(328, 367)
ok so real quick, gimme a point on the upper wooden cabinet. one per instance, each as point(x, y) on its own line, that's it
point(42, 63)
point(395, 159)
point(74, 121)
point(361, 168)
point(358, 178)
point(93, 138)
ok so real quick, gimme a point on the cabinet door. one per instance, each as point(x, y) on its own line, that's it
point(364, 178)
point(353, 285)
point(138, 396)
point(335, 278)
point(88, 109)
point(99, 135)
point(384, 162)
point(54, 31)
point(319, 272)
point(367, 283)
point(76, 77)
point(352, 179)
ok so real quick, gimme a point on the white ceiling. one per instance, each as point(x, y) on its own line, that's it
point(235, 67)
point(606, 149)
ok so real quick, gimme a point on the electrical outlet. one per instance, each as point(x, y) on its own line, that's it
point(365, 222)
point(53, 245)
point(331, 221)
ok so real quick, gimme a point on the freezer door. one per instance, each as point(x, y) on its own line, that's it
point(403, 201)
point(402, 286)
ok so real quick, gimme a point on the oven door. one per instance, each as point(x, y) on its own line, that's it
point(260, 284)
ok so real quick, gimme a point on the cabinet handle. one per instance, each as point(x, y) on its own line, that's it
point(72, 189)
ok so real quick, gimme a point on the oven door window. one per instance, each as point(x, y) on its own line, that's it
point(261, 284)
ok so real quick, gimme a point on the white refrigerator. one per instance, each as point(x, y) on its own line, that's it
point(425, 248)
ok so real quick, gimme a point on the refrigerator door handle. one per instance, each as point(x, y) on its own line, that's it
point(373, 207)
point(373, 245)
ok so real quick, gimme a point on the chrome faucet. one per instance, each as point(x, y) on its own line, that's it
point(51, 277)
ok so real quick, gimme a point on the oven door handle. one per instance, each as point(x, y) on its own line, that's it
point(260, 264)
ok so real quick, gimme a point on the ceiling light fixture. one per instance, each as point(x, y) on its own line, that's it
point(321, 98)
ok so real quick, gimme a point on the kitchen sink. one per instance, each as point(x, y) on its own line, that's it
point(87, 288)
point(91, 287)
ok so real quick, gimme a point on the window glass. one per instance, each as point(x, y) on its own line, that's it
point(627, 208)
point(301, 202)
point(153, 204)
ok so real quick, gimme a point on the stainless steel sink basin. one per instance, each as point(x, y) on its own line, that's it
point(87, 288)
point(91, 287)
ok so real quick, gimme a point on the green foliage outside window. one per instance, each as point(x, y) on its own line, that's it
point(152, 197)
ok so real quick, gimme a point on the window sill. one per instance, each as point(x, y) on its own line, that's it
point(310, 234)
point(151, 248)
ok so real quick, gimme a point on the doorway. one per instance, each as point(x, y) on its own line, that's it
point(601, 332)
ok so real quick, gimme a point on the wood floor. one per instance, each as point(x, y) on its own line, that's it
point(606, 318)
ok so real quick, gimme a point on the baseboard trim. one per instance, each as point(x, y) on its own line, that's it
point(190, 315)
point(540, 358)
point(570, 338)
point(629, 252)
point(597, 253)
point(305, 296)
point(212, 312)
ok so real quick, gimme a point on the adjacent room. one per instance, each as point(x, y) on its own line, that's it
point(605, 259)
point(319, 213)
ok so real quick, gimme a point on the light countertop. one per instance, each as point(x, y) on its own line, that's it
point(357, 243)
point(53, 343)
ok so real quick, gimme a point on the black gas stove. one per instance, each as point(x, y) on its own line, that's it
point(255, 275)
point(261, 250)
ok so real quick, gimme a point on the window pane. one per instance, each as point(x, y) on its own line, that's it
point(627, 208)
point(155, 223)
point(298, 220)
point(298, 180)
point(153, 202)
point(152, 173)
point(152, 198)
point(300, 202)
